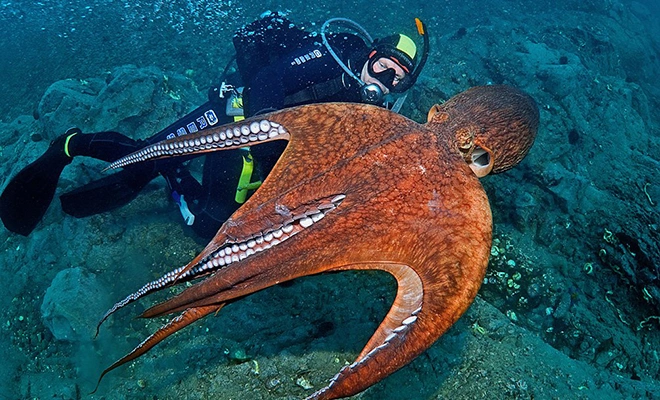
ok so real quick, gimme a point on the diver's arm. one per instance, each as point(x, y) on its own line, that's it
point(208, 114)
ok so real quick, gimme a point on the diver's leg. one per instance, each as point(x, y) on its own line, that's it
point(211, 113)
point(201, 205)
point(28, 195)
point(106, 146)
point(122, 187)
point(216, 200)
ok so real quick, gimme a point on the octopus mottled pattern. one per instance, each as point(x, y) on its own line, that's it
point(385, 193)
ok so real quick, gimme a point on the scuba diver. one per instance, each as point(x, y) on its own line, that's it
point(279, 65)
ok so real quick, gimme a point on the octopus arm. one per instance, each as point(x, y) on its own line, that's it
point(422, 311)
point(305, 120)
point(186, 318)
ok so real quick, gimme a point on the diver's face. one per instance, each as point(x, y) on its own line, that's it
point(382, 64)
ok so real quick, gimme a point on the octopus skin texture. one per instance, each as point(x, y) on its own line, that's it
point(358, 187)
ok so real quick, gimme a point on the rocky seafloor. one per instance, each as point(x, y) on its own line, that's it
point(571, 303)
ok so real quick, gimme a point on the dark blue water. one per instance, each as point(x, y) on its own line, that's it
point(570, 303)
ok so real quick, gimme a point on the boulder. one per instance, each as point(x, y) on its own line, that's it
point(72, 305)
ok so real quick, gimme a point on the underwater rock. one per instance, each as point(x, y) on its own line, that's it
point(72, 305)
point(563, 79)
point(135, 101)
point(67, 103)
point(128, 94)
point(558, 73)
point(22, 129)
point(571, 191)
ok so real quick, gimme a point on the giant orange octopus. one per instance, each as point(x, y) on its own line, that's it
point(358, 187)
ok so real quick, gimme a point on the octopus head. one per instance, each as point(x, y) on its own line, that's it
point(492, 127)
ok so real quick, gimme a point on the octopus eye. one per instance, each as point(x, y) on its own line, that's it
point(465, 147)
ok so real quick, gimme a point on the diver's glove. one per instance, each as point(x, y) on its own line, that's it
point(188, 216)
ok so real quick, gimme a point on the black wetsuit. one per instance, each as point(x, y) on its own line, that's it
point(281, 66)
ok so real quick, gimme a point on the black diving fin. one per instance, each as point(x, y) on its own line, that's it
point(27, 196)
